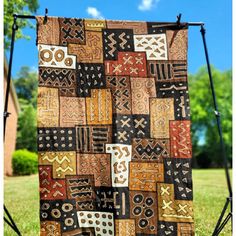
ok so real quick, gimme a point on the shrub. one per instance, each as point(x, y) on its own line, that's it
point(24, 162)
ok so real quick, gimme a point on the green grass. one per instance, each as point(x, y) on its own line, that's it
point(22, 199)
point(210, 192)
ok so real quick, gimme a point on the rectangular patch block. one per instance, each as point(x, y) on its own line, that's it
point(144, 175)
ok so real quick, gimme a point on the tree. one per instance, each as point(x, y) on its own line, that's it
point(27, 130)
point(26, 84)
point(26, 89)
point(205, 138)
point(19, 7)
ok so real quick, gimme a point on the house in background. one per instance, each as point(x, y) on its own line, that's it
point(11, 128)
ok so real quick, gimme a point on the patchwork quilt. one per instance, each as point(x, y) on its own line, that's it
point(114, 145)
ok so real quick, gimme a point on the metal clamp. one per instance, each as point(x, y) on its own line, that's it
point(178, 19)
point(6, 114)
point(45, 16)
point(203, 30)
point(15, 26)
point(217, 113)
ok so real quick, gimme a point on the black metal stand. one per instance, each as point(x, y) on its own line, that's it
point(221, 222)
point(6, 114)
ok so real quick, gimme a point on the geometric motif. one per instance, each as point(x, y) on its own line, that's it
point(141, 125)
point(178, 171)
point(177, 44)
point(89, 76)
point(154, 45)
point(120, 90)
point(144, 175)
point(49, 107)
point(143, 206)
point(71, 31)
point(114, 144)
point(128, 63)
point(99, 107)
point(115, 40)
point(98, 165)
point(91, 52)
point(72, 111)
point(150, 149)
point(50, 188)
point(62, 211)
point(142, 90)
point(115, 200)
point(50, 228)
point(137, 27)
point(63, 79)
point(168, 71)
point(180, 140)
point(80, 232)
point(63, 163)
point(56, 139)
point(81, 188)
point(122, 129)
point(94, 24)
point(185, 229)
point(120, 158)
point(92, 139)
point(167, 228)
point(161, 112)
point(125, 227)
point(55, 56)
point(172, 210)
point(179, 92)
point(102, 221)
point(157, 28)
point(48, 33)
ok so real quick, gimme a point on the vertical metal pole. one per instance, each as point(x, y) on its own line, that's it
point(217, 113)
point(219, 225)
point(11, 223)
point(6, 113)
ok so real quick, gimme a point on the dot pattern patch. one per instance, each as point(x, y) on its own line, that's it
point(114, 144)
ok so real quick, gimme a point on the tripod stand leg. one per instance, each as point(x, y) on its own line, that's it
point(11, 223)
point(227, 218)
point(221, 217)
point(222, 146)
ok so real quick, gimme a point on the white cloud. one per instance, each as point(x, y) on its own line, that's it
point(94, 13)
point(147, 5)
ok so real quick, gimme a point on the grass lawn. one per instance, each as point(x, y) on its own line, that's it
point(22, 199)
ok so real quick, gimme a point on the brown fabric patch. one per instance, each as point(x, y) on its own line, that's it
point(92, 51)
point(49, 32)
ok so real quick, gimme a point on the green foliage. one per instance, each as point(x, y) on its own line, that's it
point(26, 89)
point(24, 162)
point(20, 7)
point(27, 130)
point(204, 127)
point(26, 85)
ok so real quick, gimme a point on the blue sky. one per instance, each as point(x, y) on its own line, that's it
point(215, 13)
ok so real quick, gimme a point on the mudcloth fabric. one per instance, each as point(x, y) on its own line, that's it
point(114, 143)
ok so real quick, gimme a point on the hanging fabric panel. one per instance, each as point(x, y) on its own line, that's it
point(114, 145)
